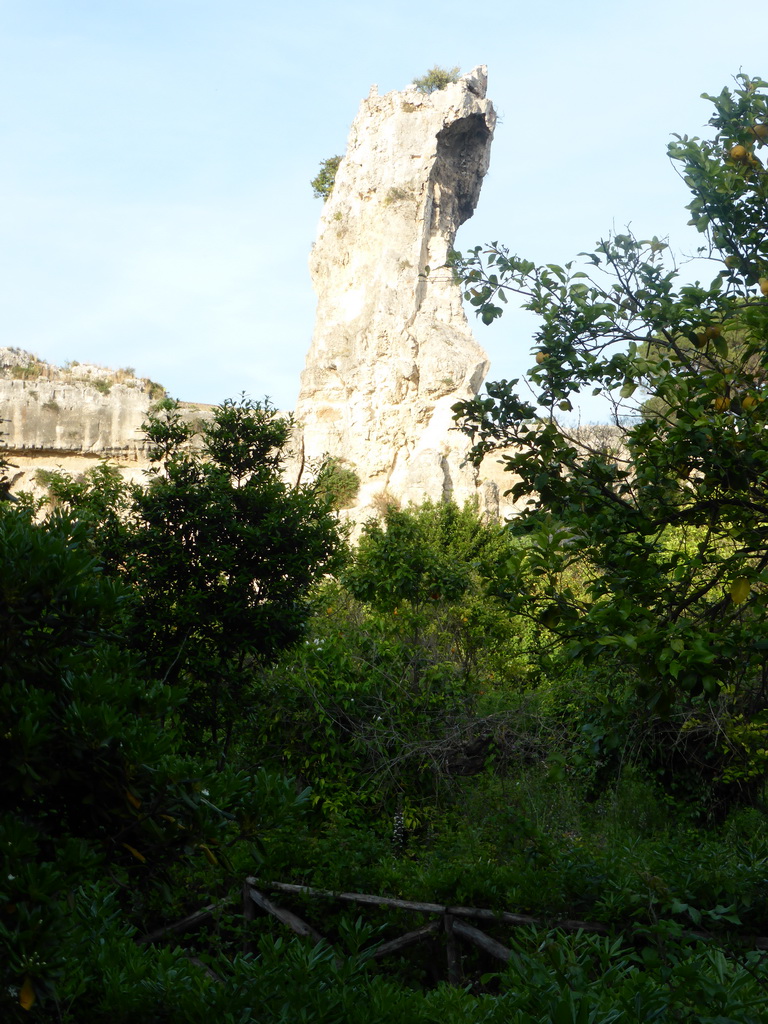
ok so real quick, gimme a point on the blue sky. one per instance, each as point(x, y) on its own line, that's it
point(156, 159)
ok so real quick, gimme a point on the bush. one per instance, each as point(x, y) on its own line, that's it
point(338, 484)
point(324, 180)
point(82, 740)
point(437, 78)
point(380, 704)
point(156, 392)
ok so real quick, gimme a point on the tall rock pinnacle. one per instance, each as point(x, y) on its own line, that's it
point(392, 350)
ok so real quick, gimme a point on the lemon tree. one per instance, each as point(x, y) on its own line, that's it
point(667, 523)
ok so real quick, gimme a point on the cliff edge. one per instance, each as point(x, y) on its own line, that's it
point(71, 418)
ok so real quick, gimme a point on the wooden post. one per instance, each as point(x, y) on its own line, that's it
point(452, 953)
point(249, 916)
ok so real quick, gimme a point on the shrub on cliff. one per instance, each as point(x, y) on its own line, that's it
point(437, 78)
point(323, 182)
point(338, 484)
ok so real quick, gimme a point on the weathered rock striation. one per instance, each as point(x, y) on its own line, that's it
point(392, 350)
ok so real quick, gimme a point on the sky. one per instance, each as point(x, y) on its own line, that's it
point(156, 158)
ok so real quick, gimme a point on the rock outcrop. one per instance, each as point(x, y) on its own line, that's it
point(55, 418)
point(392, 350)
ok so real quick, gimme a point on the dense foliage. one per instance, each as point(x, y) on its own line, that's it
point(666, 526)
point(221, 554)
point(563, 718)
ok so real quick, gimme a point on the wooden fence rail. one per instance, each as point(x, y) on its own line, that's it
point(478, 914)
point(452, 921)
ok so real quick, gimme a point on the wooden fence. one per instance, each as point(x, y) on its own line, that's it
point(453, 923)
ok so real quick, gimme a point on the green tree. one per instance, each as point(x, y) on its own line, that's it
point(323, 182)
point(445, 573)
point(416, 556)
point(82, 746)
point(220, 552)
point(437, 78)
point(381, 704)
point(102, 499)
point(72, 697)
point(670, 535)
point(100, 801)
point(5, 465)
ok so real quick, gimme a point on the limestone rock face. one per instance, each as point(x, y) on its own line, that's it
point(54, 418)
point(392, 350)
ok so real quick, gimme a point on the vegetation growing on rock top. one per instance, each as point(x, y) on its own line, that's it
point(437, 78)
